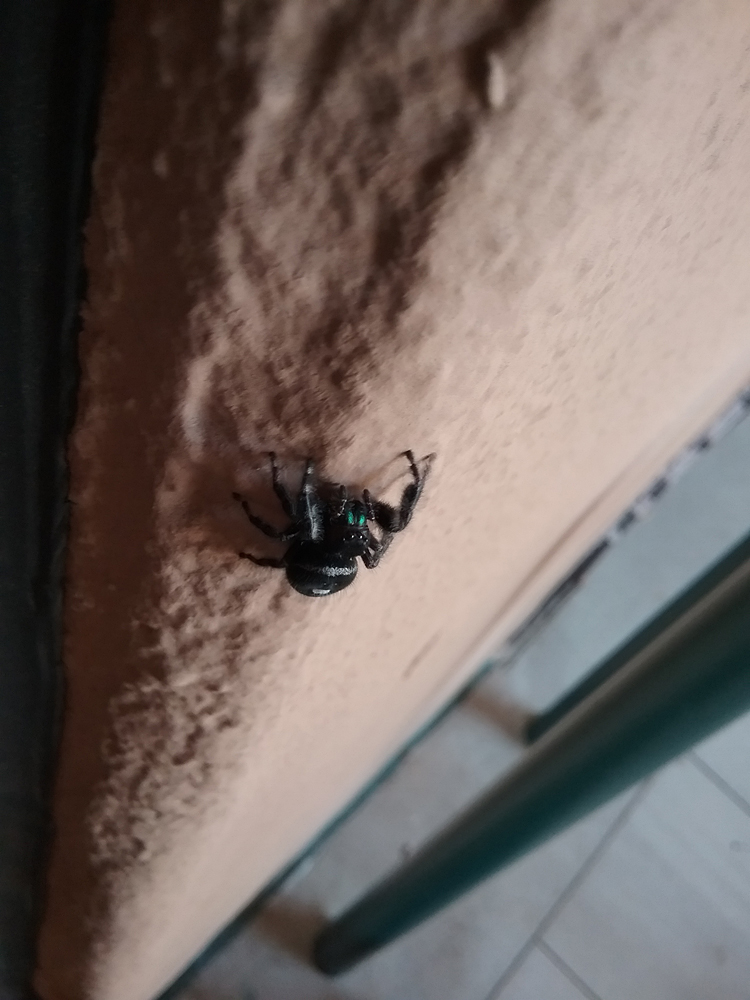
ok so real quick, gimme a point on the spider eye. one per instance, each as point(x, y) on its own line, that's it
point(350, 517)
point(362, 520)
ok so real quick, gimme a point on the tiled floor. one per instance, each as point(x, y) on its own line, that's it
point(647, 899)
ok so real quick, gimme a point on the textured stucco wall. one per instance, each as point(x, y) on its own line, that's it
point(323, 227)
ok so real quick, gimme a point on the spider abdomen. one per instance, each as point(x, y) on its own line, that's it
point(315, 570)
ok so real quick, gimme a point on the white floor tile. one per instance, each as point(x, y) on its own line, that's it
point(539, 979)
point(728, 754)
point(665, 913)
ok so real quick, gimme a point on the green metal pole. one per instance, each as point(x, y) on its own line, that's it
point(686, 675)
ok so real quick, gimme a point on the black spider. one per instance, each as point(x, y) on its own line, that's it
point(329, 530)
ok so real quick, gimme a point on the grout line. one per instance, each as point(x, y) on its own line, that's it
point(716, 779)
point(562, 966)
point(617, 824)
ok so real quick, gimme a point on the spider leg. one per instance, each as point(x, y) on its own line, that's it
point(390, 518)
point(343, 497)
point(279, 489)
point(369, 505)
point(409, 456)
point(308, 506)
point(306, 475)
point(382, 514)
point(274, 563)
point(378, 548)
point(264, 526)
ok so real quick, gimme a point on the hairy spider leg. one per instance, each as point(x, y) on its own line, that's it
point(392, 519)
point(308, 510)
point(385, 515)
point(264, 526)
point(280, 489)
point(343, 497)
point(265, 561)
point(377, 549)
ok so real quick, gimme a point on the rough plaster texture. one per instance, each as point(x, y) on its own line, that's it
point(517, 236)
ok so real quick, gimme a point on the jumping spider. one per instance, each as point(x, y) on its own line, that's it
point(329, 530)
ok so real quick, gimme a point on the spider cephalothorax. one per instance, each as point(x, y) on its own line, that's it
point(329, 530)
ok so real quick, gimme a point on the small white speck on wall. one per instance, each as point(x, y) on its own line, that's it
point(497, 81)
